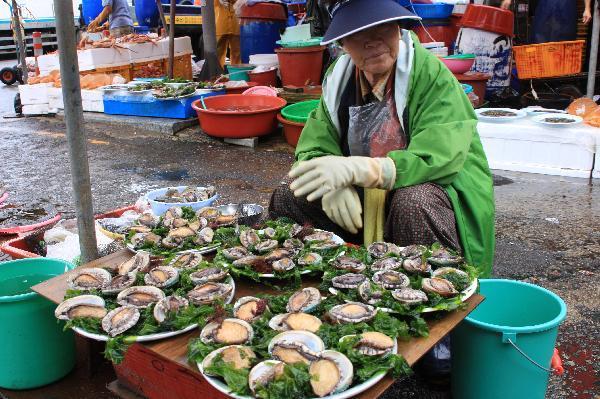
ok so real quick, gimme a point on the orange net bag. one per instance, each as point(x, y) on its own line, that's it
point(582, 107)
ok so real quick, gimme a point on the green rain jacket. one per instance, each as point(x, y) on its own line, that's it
point(443, 143)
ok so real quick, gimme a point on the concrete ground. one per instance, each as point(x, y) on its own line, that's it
point(547, 228)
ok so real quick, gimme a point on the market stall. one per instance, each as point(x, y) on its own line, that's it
point(165, 362)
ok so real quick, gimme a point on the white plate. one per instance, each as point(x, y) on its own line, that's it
point(540, 119)
point(153, 337)
point(349, 393)
point(531, 111)
point(205, 250)
point(519, 114)
point(335, 238)
point(113, 88)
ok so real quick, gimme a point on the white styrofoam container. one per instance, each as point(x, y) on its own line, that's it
point(183, 45)
point(95, 58)
point(546, 150)
point(55, 98)
point(596, 171)
point(147, 51)
point(37, 109)
point(48, 63)
point(92, 106)
point(34, 94)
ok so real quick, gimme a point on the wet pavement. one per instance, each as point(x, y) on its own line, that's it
point(548, 228)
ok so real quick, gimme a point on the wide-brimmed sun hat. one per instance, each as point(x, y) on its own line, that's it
point(351, 16)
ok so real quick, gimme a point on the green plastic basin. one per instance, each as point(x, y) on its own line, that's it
point(299, 112)
point(35, 350)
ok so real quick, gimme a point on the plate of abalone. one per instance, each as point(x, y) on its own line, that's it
point(351, 392)
point(157, 336)
point(334, 238)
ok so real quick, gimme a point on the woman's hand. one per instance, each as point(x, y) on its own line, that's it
point(322, 175)
point(343, 207)
point(506, 4)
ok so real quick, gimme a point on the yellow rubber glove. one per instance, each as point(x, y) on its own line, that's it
point(343, 207)
point(321, 175)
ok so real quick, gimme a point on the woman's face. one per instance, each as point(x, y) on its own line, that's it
point(374, 50)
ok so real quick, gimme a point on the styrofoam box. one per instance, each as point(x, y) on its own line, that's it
point(55, 98)
point(34, 94)
point(91, 100)
point(183, 45)
point(95, 58)
point(147, 51)
point(550, 151)
point(596, 172)
point(48, 63)
point(37, 109)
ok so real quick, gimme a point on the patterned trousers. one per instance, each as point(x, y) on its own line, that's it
point(420, 214)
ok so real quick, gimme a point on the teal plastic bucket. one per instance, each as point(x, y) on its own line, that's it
point(239, 72)
point(35, 350)
point(485, 364)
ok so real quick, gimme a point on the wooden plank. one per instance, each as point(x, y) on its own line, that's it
point(55, 288)
point(160, 369)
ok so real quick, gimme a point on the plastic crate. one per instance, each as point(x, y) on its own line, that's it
point(150, 106)
point(549, 59)
point(433, 11)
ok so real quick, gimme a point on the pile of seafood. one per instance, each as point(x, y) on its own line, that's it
point(278, 249)
point(188, 194)
point(143, 296)
point(386, 275)
point(180, 229)
point(300, 343)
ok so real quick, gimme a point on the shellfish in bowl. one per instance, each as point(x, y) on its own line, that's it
point(444, 257)
point(348, 280)
point(140, 296)
point(209, 292)
point(186, 260)
point(296, 346)
point(439, 286)
point(81, 306)
point(249, 308)
point(380, 250)
point(86, 279)
point(304, 300)
point(373, 343)
point(391, 279)
point(170, 304)
point(349, 264)
point(162, 276)
point(352, 312)
point(295, 321)
point(264, 373)
point(239, 356)
point(409, 296)
point(228, 331)
point(331, 373)
point(119, 320)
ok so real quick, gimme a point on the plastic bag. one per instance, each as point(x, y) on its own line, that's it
point(582, 107)
point(593, 118)
point(374, 130)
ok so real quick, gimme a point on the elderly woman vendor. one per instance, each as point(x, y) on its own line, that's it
point(394, 134)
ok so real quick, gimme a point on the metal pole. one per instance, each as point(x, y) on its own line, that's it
point(172, 39)
point(20, 40)
point(211, 66)
point(71, 91)
point(161, 13)
point(591, 83)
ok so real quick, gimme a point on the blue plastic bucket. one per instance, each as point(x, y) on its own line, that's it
point(504, 347)
point(147, 13)
point(90, 10)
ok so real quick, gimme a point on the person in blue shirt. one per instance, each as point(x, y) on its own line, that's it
point(118, 15)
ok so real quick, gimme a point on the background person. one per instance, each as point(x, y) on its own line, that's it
point(118, 15)
point(227, 31)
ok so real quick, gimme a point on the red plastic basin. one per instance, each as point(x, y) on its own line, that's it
point(240, 90)
point(266, 78)
point(291, 130)
point(458, 65)
point(491, 19)
point(238, 116)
